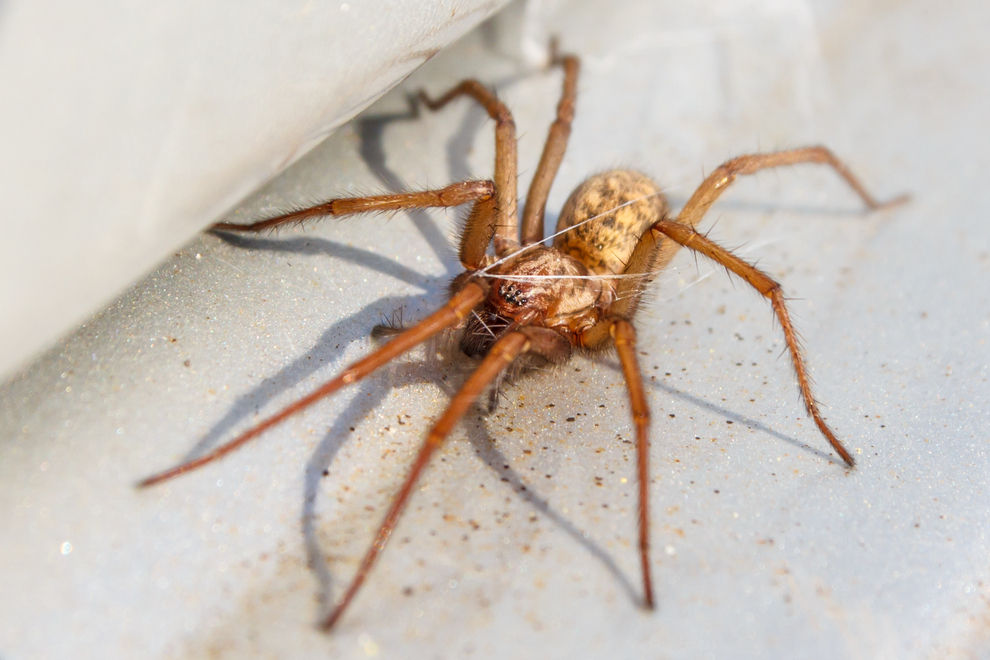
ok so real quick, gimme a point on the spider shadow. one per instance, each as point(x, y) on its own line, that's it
point(368, 398)
point(371, 131)
point(297, 371)
point(498, 463)
point(736, 417)
point(461, 140)
point(367, 395)
point(306, 245)
point(363, 403)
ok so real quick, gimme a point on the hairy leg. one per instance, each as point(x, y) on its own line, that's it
point(501, 355)
point(624, 337)
point(506, 160)
point(687, 236)
point(460, 304)
point(553, 152)
point(474, 240)
point(653, 253)
point(715, 183)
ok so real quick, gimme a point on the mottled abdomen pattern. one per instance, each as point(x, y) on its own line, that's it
point(605, 244)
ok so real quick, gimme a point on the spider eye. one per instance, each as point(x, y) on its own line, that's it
point(513, 295)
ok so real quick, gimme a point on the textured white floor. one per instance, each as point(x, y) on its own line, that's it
point(520, 540)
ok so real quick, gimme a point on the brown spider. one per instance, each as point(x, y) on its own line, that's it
point(529, 303)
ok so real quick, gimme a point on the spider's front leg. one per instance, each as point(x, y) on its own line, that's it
point(506, 237)
point(503, 353)
point(652, 252)
point(686, 235)
point(508, 234)
point(477, 232)
point(553, 150)
point(454, 312)
point(618, 331)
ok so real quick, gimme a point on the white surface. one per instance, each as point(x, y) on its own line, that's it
point(126, 130)
point(764, 545)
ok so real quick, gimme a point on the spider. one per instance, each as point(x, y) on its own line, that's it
point(527, 303)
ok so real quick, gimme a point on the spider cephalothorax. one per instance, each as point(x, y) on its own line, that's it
point(528, 303)
point(569, 288)
point(551, 289)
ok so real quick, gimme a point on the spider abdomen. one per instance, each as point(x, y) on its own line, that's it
point(609, 212)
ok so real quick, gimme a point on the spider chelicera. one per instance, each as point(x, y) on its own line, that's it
point(529, 304)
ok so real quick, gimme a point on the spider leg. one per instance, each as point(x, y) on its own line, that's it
point(687, 236)
point(622, 334)
point(449, 315)
point(624, 338)
point(652, 253)
point(715, 183)
point(506, 159)
point(505, 350)
point(553, 153)
point(477, 231)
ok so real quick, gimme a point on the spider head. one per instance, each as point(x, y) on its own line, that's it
point(540, 287)
point(528, 287)
point(513, 294)
point(511, 303)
